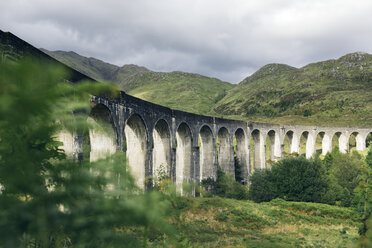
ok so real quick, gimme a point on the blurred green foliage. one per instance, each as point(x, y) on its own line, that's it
point(48, 199)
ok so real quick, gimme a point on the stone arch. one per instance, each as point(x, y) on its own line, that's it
point(161, 154)
point(256, 149)
point(225, 151)
point(208, 162)
point(137, 148)
point(287, 148)
point(102, 133)
point(241, 165)
point(184, 168)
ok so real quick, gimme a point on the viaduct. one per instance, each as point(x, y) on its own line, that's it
point(189, 147)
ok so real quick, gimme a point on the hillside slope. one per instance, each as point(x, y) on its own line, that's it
point(332, 92)
point(178, 90)
point(222, 222)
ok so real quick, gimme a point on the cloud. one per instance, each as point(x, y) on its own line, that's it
point(224, 39)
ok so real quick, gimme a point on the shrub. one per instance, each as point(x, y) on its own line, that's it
point(225, 186)
point(261, 188)
point(294, 179)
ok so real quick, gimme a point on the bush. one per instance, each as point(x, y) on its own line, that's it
point(261, 188)
point(293, 179)
point(226, 186)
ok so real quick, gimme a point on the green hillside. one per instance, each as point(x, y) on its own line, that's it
point(219, 222)
point(178, 90)
point(333, 92)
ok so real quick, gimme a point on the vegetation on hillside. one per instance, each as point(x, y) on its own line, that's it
point(177, 90)
point(334, 92)
point(223, 222)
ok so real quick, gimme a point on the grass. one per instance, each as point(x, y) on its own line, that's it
point(218, 222)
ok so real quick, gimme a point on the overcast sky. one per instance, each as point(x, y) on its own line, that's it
point(227, 39)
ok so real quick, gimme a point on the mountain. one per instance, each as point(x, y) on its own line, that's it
point(332, 92)
point(13, 48)
point(178, 90)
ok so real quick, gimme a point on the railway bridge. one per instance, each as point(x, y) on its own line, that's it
point(189, 147)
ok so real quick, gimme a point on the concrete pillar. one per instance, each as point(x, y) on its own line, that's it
point(208, 161)
point(184, 152)
point(343, 143)
point(225, 152)
point(326, 143)
point(161, 155)
point(149, 170)
point(72, 144)
point(262, 151)
point(310, 144)
point(102, 143)
point(258, 150)
point(360, 142)
point(295, 147)
point(137, 153)
point(290, 138)
point(277, 148)
point(242, 152)
point(195, 173)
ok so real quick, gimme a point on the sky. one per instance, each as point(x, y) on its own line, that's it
point(226, 39)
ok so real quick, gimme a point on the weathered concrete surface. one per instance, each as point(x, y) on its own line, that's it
point(208, 164)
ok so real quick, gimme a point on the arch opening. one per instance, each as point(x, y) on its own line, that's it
point(102, 138)
point(184, 168)
point(369, 140)
point(303, 143)
point(208, 166)
point(161, 154)
point(225, 151)
point(288, 144)
point(241, 156)
point(136, 148)
point(352, 141)
point(336, 141)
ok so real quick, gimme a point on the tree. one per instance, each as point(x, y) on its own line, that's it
point(363, 196)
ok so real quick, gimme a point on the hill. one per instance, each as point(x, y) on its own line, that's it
point(332, 92)
point(220, 222)
point(13, 48)
point(178, 90)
